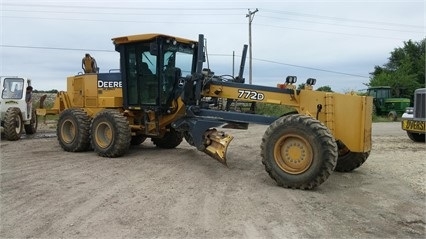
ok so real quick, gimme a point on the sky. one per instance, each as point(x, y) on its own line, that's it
point(336, 42)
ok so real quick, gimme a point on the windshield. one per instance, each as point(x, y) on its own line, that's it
point(179, 56)
point(13, 88)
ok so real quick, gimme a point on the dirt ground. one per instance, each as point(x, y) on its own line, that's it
point(182, 193)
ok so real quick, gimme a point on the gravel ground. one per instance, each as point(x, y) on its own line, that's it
point(182, 193)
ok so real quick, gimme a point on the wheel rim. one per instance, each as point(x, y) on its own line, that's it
point(34, 120)
point(293, 154)
point(103, 135)
point(68, 131)
point(18, 125)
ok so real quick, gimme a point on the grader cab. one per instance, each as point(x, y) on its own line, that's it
point(163, 93)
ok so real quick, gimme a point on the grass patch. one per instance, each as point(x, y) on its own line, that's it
point(378, 119)
point(272, 109)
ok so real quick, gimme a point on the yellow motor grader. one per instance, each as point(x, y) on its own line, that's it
point(162, 92)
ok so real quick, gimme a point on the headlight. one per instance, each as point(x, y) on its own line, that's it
point(409, 110)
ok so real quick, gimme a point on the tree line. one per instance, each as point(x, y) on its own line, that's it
point(405, 70)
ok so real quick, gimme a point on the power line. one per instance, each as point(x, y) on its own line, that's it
point(209, 23)
point(312, 68)
point(131, 21)
point(124, 14)
point(126, 8)
point(335, 24)
point(341, 18)
point(180, 9)
point(221, 55)
point(297, 66)
point(330, 32)
point(199, 23)
point(55, 48)
point(183, 14)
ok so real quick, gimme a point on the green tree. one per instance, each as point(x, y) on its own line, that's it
point(405, 70)
point(325, 88)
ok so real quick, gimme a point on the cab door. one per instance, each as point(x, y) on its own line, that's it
point(141, 76)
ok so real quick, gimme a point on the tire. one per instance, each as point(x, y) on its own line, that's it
point(188, 138)
point(392, 116)
point(73, 130)
point(32, 127)
point(298, 152)
point(374, 112)
point(349, 161)
point(110, 134)
point(13, 124)
point(416, 137)
point(170, 140)
point(137, 139)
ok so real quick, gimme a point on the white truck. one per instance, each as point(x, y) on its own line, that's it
point(16, 116)
point(414, 118)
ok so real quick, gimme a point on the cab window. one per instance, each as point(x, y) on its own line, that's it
point(13, 88)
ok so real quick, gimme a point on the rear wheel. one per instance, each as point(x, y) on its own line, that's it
point(73, 130)
point(137, 139)
point(188, 138)
point(111, 134)
point(13, 124)
point(298, 152)
point(347, 160)
point(392, 116)
point(32, 127)
point(170, 140)
point(416, 137)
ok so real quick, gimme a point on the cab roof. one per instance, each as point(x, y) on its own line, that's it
point(146, 37)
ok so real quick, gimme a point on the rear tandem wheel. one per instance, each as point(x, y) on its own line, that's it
point(110, 133)
point(298, 152)
point(347, 160)
point(73, 130)
point(31, 128)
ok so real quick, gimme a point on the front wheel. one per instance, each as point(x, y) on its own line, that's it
point(137, 139)
point(170, 140)
point(416, 137)
point(111, 134)
point(298, 152)
point(13, 124)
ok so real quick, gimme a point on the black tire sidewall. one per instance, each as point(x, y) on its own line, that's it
point(416, 137)
point(314, 168)
point(321, 141)
point(170, 140)
point(137, 139)
point(9, 125)
point(81, 140)
point(121, 135)
point(32, 127)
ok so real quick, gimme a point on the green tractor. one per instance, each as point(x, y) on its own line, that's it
point(385, 104)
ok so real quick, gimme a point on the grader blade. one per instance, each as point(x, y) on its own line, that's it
point(217, 142)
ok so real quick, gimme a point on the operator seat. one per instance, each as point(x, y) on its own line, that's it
point(145, 69)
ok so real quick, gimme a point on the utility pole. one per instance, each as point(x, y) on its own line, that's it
point(250, 16)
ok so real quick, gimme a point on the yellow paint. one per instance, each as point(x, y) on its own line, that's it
point(347, 116)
